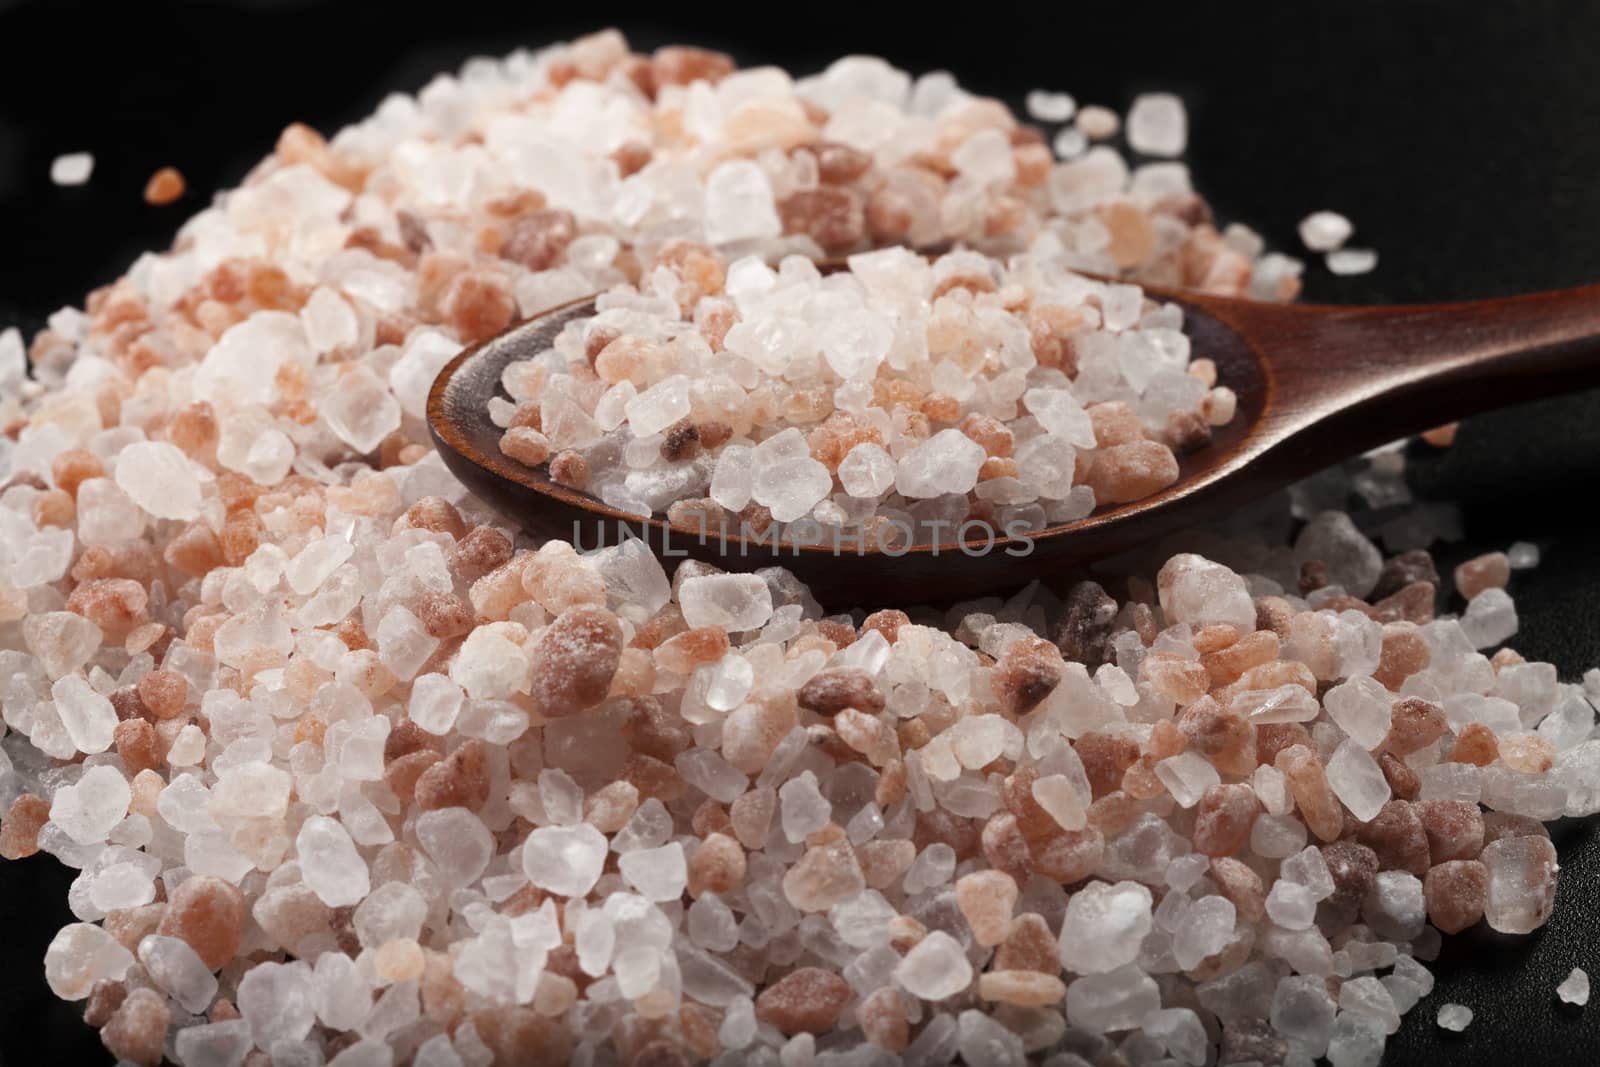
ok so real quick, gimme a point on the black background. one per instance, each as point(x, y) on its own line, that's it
point(1462, 138)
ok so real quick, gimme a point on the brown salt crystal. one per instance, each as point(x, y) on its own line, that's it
point(126, 703)
point(1506, 657)
point(1068, 856)
point(710, 818)
point(518, 1035)
point(19, 831)
point(891, 787)
point(194, 551)
point(1454, 828)
point(1398, 838)
point(136, 745)
point(717, 866)
point(406, 737)
point(1241, 885)
point(1527, 753)
point(1223, 819)
point(905, 932)
point(1498, 825)
point(1309, 784)
point(538, 240)
point(208, 914)
point(1404, 653)
point(682, 65)
point(1182, 680)
point(609, 808)
point(883, 862)
point(1413, 603)
point(1187, 431)
point(1115, 423)
point(1215, 637)
point(996, 438)
point(1274, 614)
point(1442, 436)
point(831, 215)
point(1492, 570)
point(651, 730)
point(74, 466)
point(53, 507)
point(479, 552)
point(116, 605)
point(1028, 670)
point(1476, 744)
point(1354, 868)
point(1132, 234)
point(526, 446)
point(461, 780)
point(1086, 623)
point(806, 1000)
point(1028, 946)
point(570, 469)
point(137, 1030)
point(105, 997)
point(882, 1015)
point(1016, 793)
point(1002, 842)
point(1455, 892)
point(436, 514)
point(1140, 781)
point(1106, 758)
point(1408, 568)
point(683, 652)
point(840, 687)
point(1403, 781)
point(653, 778)
point(1222, 736)
point(1414, 724)
point(1313, 576)
point(401, 773)
point(574, 660)
point(477, 305)
point(987, 898)
point(165, 186)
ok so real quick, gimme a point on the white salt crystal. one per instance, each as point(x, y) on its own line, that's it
point(565, 860)
point(736, 602)
point(73, 168)
point(803, 808)
point(80, 955)
point(1187, 776)
point(457, 842)
point(1114, 1000)
point(1197, 591)
point(1455, 1017)
point(1523, 555)
point(88, 717)
point(1309, 868)
point(935, 969)
point(160, 479)
point(1104, 926)
point(1490, 618)
point(277, 1000)
point(1303, 1011)
point(404, 644)
point(561, 796)
point(329, 862)
point(947, 462)
point(1325, 231)
point(394, 910)
point(1057, 795)
point(1361, 708)
point(867, 471)
point(986, 158)
point(711, 924)
point(175, 967)
point(1574, 988)
point(731, 481)
point(89, 808)
point(1158, 125)
point(1069, 143)
point(1180, 1032)
point(360, 409)
point(1291, 905)
point(223, 1044)
point(855, 343)
point(659, 406)
point(251, 790)
point(932, 868)
point(1206, 929)
point(1047, 106)
point(985, 1040)
point(1348, 261)
point(659, 874)
point(316, 562)
point(329, 320)
point(738, 204)
point(1059, 412)
point(435, 703)
point(1358, 781)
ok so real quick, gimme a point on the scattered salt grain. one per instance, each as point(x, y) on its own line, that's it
point(1574, 988)
point(1347, 261)
point(1325, 231)
point(1158, 125)
point(73, 168)
point(1456, 1017)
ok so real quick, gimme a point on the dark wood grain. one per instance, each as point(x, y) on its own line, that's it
point(1315, 384)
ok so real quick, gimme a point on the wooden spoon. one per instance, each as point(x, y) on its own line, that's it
point(1315, 385)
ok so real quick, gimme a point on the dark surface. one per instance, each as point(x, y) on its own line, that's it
point(1460, 138)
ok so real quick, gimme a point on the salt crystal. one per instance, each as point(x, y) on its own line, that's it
point(1325, 231)
point(89, 808)
point(947, 462)
point(1047, 106)
point(1180, 1032)
point(659, 406)
point(80, 955)
point(1352, 261)
point(1291, 905)
point(735, 602)
point(565, 860)
point(360, 409)
point(87, 716)
point(73, 168)
point(1206, 929)
point(738, 204)
point(867, 471)
point(1523, 555)
point(330, 863)
point(173, 966)
point(1574, 988)
point(1360, 707)
point(1456, 1017)
point(404, 644)
point(277, 1000)
point(659, 874)
point(1158, 125)
point(1490, 618)
point(1104, 926)
point(223, 1044)
point(1187, 776)
point(435, 702)
point(985, 1040)
point(160, 479)
point(1069, 143)
point(1358, 781)
point(936, 968)
point(1061, 415)
point(1111, 1001)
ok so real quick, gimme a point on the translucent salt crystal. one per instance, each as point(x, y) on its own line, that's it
point(1395, 907)
point(1358, 781)
point(867, 471)
point(329, 320)
point(650, 826)
point(1197, 591)
point(1303, 1011)
point(1277, 836)
point(489, 665)
point(457, 842)
point(404, 644)
point(1120, 306)
point(659, 406)
point(1366, 997)
point(393, 911)
point(1360, 707)
point(87, 716)
point(1348, 261)
point(1061, 415)
point(316, 562)
point(1325, 231)
point(1291, 905)
point(71, 168)
point(160, 479)
point(736, 602)
point(1523, 555)
point(985, 158)
point(659, 874)
point(1522, 883)
point(175, 967)
point(565, 860)
point(277, 1000)
point(983, 1039)
point(1206, 929)
point(341, 993)
point(1355, 1041)
point(1105, 925)
point(637, 969)
point(731, 481)
point(1332, 539)
point(932, 868)
point(89, 808)
point(790, 488)
point(413, 374)
point(1111, 1001)
point(1309, 868)
point(1574, 988)
point(360, 409)
point(1047, 106)
point(251, 790)
point(936, 968)
point(1058, 795)
point(855, 343)
point(80, 955)
point(708, 772)
point(223, 1044)
point(1456, 1017)
point(947, 462)
point(803, 808)
point(1187, 776)
point(1158, 125)
point(1490, 618)
point(1272, 789)
point(329, 862)
point(738, 204)
point(1069, 143)
point(738, 1027)
point(1180, 1032)
point(435, 702)
point(728, 682)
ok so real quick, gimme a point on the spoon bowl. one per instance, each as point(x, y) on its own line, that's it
point(1314, 384)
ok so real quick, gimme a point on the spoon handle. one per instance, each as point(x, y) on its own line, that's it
point(1345, 378)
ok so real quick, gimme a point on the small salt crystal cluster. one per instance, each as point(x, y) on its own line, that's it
point(351, 774)
point(899, 401)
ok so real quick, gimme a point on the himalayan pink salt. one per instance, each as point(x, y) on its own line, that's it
point(1456, 892)
point(806, 1000)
